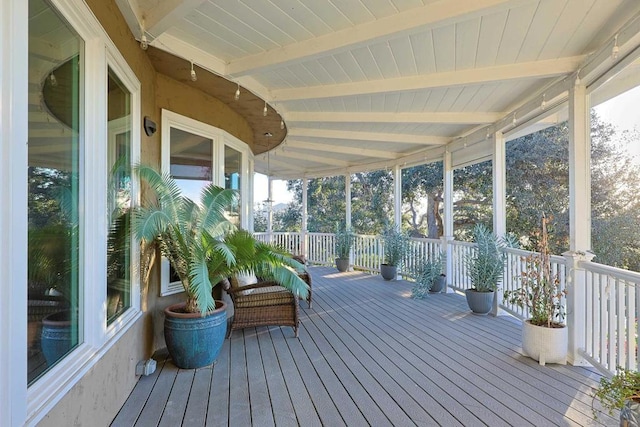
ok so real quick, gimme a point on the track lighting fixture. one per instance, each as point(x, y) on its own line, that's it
point(264, 110)
point(514, 121)
point(144, 43)
point(194, 76)
point(281, 124)
point(615, 50)
point(543, 104)
point(53, 80)
point(237, 94)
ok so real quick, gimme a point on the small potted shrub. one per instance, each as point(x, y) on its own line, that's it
point(343, 243)
point(429, 277)
point(485, 267)
point(395, 246)
point(621, 392)
point(541, 294)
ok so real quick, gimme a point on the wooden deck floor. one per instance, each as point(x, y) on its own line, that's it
point(368, 354)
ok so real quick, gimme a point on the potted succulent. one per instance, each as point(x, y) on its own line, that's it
point(541, 294)
point(343, 243)
point(621, 392)
point(429, 277)
point(204, 248)
point(485, 267)
point(395, 246)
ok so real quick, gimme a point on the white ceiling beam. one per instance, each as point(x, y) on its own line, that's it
point(378, 117)
point(189, 52)
point(332, 148)
point(167, 13)
point(311, 158)
point(499, 73)
point(368, 136)
point(434, 14)
point(130, 11)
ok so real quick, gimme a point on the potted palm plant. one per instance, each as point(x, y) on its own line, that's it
point(343, 243)
point(485, 267)
point(395, 246)
point(204, 248)
point(541, 294)
point(621, 392)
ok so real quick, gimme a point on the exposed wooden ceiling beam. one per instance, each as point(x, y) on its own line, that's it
point(332, 148)
point(167, 13)
point(288, 153)
point(524, 70)
point(432, 14)
point(368, 136)
point(377, 117)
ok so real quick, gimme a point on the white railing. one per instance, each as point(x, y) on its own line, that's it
point(420, 249)
point(611, 300)
point(367, 253)
point(459, 251)
point(607, 332)
point(517, 262)
point(321, 248)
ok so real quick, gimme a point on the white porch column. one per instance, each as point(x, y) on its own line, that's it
point(347, 210)
point(576, 305)
point(305, 240)
point(447, 169)
point(397, 197)
point(499, 200)
point(269, 209)
point(579, 170)
point(579, 219)
point(14, 48)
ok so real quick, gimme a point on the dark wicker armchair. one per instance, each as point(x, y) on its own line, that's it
point(264, 304)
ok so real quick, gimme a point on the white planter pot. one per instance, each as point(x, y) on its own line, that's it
point(546, 345)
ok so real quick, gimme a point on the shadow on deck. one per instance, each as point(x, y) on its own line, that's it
point(368, 354)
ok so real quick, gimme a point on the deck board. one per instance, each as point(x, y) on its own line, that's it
point(368, 354)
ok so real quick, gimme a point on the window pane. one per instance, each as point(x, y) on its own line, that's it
point(54, 189)
point(119, 199)
point(232, 179)
point(191, 161)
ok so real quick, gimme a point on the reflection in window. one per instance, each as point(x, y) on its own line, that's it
point(615, 170)
point(119, 199)
point(232, 177)
point(54, 189)
point(191, 162)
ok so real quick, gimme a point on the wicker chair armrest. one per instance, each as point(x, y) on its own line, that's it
point(241, 289)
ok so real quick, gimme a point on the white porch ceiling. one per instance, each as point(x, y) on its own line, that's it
point(364, 82)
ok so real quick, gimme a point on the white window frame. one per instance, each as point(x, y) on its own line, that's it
point(31, 405)
point(220, 139)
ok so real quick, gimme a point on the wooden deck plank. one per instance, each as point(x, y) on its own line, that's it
point(132, 408)
point(368, 354)
point(219, 395)
point(196, 412)
point(281, 401)
point(301, 401)
point(176, 405)
point(260, 401)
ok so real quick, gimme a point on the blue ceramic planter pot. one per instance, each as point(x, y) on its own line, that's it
point(194, 341)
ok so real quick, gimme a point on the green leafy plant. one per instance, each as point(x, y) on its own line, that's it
point(396, 245)
point(344, 241)
point(201, 244)
point(540, 290)
point(485, 265)
point(427, 274)
point(615, 391)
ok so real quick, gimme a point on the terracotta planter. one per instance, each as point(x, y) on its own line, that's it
point(194, 341)
point(546, 345)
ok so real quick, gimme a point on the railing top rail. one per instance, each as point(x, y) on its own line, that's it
point(556, 259)
point(425, 239)
point(320, 234)
point(461, 243)
point(619, 273)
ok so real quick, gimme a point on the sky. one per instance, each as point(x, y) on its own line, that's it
point(260, 190)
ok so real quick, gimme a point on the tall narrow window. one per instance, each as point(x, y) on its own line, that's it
point(54, 204)
point(119, 198)
point(232, 179)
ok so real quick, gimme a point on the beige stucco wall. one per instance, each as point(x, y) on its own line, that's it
point(98, 396)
